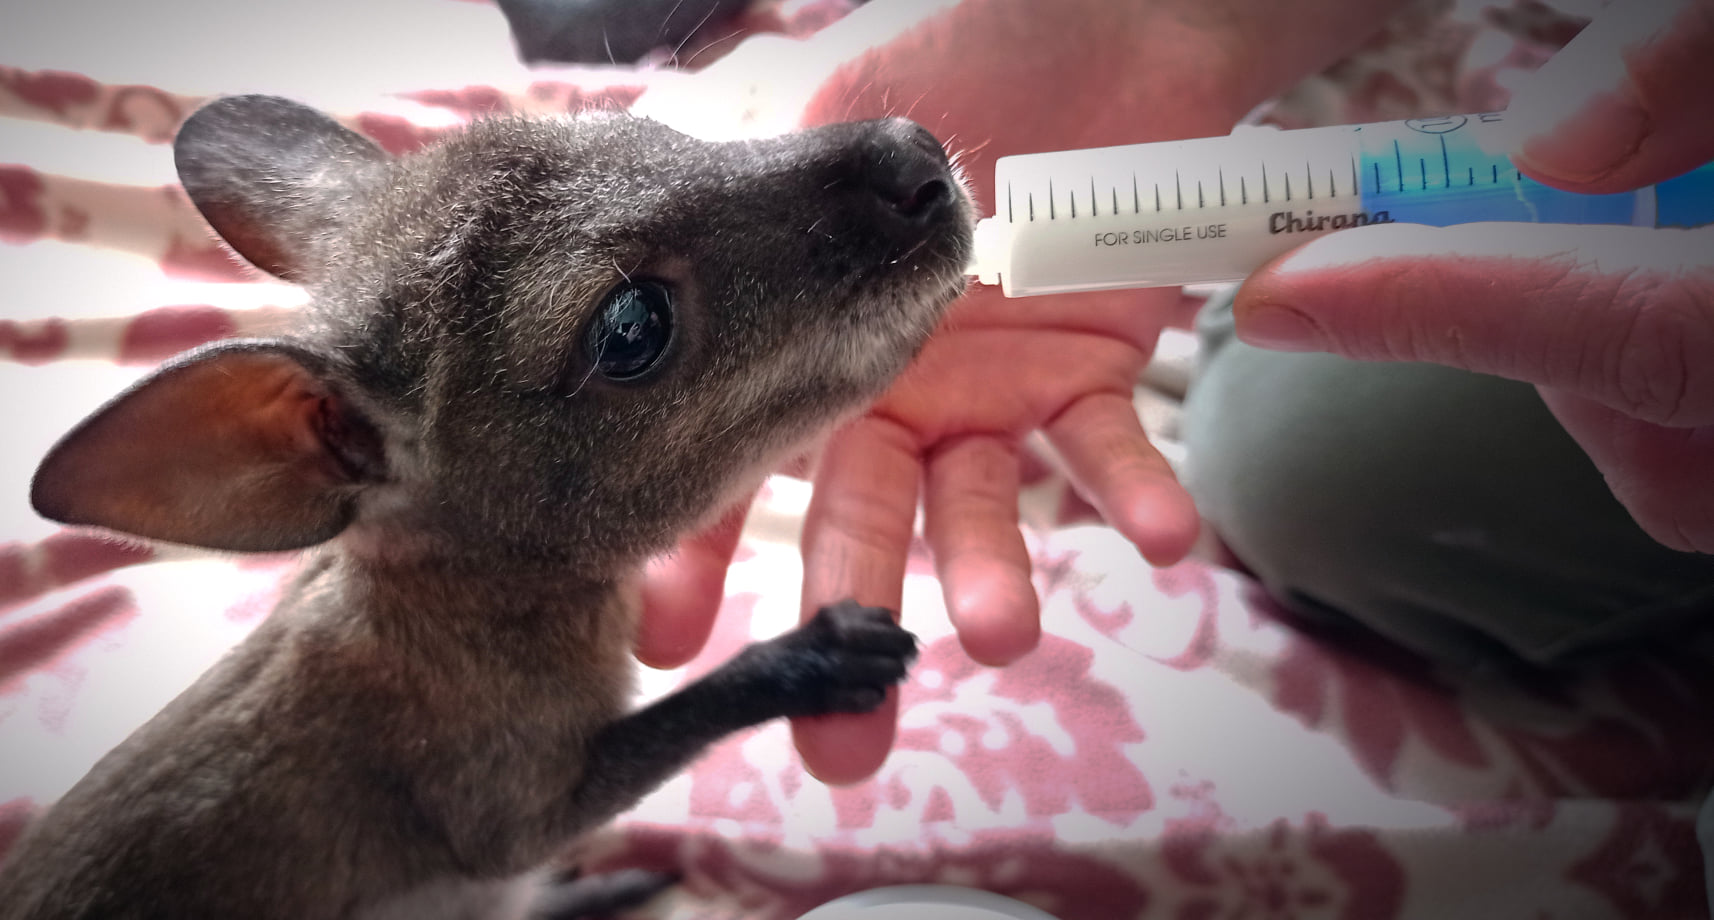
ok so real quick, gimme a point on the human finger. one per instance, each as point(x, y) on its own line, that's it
point(1623, 316)
point(1659, 474)
point(856, 538)
point(682, 592)
point(1110, 460)
point(970, 519)
point(1625, 103)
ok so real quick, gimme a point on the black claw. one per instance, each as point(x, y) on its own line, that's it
point(842, 660)
point(871, 671)
point(862, 699)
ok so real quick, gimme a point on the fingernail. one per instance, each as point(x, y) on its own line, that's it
point(1598, 135)
point(1280, 328)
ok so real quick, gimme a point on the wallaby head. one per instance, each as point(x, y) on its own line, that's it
point(538, 352)
point(557, 342)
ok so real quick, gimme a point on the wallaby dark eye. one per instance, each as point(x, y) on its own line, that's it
point(631, 330)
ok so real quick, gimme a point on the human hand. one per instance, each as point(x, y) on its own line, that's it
point(991, 78)
point(1615, 325)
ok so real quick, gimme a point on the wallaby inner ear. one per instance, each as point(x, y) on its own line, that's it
point(275, 179)
point(246, 446)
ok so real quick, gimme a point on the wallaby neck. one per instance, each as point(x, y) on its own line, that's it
point(418, 543)
point(456, 606)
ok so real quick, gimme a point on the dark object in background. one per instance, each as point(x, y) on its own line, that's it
point(607, 31)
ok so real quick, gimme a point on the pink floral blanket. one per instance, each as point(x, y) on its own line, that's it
point(1176, 748)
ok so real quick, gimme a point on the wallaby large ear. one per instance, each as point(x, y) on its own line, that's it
point(245, 445)
point(275, 179)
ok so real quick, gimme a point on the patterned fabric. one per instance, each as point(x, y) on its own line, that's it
point(1176, 748)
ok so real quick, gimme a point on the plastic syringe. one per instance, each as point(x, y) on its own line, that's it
point(1215, 209)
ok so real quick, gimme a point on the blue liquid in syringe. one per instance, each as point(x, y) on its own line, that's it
point(1445, 178)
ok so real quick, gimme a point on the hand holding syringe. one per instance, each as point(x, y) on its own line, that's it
point(1613, 324)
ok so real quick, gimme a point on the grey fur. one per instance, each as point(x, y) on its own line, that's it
point(437, 705)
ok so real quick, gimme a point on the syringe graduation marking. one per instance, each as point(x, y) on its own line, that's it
point(1291, 191)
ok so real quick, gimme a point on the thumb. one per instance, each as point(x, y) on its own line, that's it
point(1621, 316)
point(1625, 103)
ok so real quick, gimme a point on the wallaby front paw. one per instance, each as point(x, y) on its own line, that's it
point(842, 660)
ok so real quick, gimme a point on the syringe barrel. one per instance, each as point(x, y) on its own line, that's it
point(1215, 209)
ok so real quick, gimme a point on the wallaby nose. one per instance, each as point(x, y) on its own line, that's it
point(907, 170)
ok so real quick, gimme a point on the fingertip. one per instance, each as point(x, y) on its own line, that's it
point(671, 633)
point(1162, 522)
point(846, 749)
point(1135, 489)
point(998, 620)
point(680, 600)
point(669, 654)
point(998, 649)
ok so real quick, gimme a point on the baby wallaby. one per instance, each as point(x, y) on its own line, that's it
point(539, 352)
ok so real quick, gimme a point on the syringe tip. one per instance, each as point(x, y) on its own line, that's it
point(988, 255)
